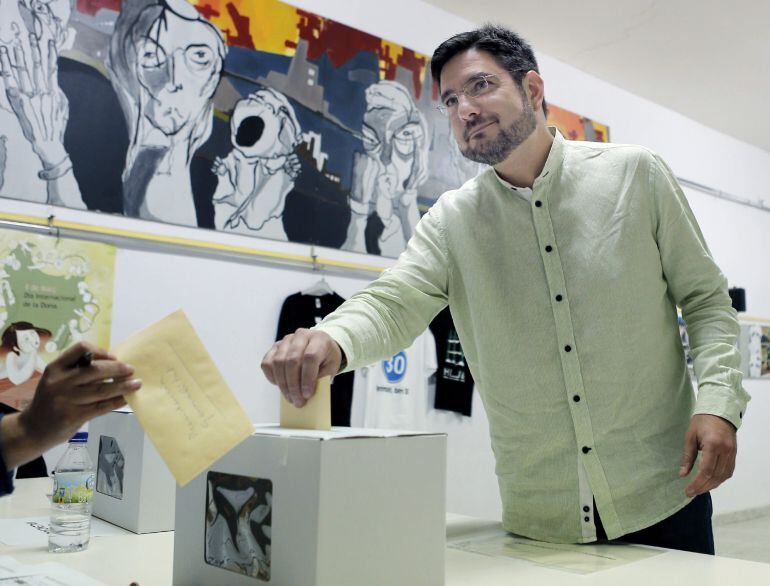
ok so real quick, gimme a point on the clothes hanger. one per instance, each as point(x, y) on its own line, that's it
point(320, 287)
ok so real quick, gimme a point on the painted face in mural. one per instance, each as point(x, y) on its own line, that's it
point(264, 125)
point(393, 131)
point(489, 127)
point(178, 65)
point(27, 341)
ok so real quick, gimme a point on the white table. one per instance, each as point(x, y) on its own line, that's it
point(147, 559)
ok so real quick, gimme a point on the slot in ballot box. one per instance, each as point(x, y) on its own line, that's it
point(134, 488)
point(345, 507)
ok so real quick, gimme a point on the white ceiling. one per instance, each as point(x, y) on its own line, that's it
point(707, 59)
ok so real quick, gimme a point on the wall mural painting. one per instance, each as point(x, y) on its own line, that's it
point(246, 116)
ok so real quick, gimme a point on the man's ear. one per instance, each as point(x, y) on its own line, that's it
point(534, 89)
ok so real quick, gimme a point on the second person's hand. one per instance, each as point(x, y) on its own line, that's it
point(297, 361)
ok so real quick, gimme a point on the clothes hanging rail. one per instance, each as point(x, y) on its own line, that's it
point(185, 246)
point(758, 203)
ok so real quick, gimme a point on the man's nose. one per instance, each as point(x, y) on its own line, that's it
point(466, 108)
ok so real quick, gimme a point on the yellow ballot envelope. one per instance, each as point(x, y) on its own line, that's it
point(315, 414)
point(184, 405)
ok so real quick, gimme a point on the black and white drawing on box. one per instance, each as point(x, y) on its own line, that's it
point(238, 522)
point(110, 467)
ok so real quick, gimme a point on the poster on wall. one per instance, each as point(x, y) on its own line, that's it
point(245, 116)
point(754, 346)
point(53, 293)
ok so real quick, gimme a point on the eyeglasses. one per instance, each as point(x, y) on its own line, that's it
point(473, 88)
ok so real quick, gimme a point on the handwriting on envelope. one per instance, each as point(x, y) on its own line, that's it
point(184, 405)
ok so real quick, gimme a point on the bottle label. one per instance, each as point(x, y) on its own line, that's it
point(73, 487)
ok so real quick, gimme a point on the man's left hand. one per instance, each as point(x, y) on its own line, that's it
point(715, 438)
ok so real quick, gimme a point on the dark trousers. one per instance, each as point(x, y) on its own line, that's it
point(689, 529)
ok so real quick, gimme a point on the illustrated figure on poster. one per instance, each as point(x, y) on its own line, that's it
point(387, 175)
point(238, 530)
point(256, 176)
point(166, 61)
point(755, 351)
point(110, 467)
point(21, 340)
point(7, 298)
point(33, 109)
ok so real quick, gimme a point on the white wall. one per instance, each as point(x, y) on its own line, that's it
point(235, 306)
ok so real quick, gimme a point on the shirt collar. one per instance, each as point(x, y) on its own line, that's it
point(553, 162)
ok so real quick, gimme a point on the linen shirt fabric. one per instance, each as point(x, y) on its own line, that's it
point(565, 306)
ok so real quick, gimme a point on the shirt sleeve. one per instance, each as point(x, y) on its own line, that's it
point(698, 286)
point(389, 314)
point(6, 476)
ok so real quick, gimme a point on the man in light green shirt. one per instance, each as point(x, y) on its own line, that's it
point(562, 264)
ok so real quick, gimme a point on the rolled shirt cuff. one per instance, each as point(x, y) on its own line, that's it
point(723, 402)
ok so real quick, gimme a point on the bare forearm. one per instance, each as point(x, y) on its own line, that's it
point(17, 443)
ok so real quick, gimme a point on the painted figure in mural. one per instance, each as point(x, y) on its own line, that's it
point(255, 177)
point(21, 340)
point(166, 61)
point(33, 108)
point(387, 175)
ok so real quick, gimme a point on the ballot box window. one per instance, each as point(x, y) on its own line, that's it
point(110, 467)
point(238, 519)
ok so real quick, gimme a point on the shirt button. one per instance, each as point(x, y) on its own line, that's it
point(586, 509)
point(559, 298)
point(548, 248)
point(538, 203)
point(576, 398)
point(586, 519)
point(586, 449)
point(568, 348)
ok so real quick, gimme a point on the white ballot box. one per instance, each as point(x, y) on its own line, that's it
point(134, 488)
point(346, 507)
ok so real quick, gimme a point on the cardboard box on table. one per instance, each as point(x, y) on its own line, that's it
point(134, 488)
point(346, 507)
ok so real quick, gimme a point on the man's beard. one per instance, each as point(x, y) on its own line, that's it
point(496, 150)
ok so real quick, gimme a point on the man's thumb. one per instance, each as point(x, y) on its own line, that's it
point(688, 454)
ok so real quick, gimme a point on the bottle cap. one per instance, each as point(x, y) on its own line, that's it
point(80, 437)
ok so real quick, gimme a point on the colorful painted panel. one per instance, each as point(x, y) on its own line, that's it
point(244, 116)
point(53, 293)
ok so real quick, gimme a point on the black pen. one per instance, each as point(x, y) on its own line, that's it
point(85, 360)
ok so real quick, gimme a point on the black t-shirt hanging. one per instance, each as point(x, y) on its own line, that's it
point(454, 383)
point(305, 311)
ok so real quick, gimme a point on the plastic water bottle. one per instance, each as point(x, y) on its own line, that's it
point(73, 492)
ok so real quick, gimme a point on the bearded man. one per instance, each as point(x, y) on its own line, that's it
point(563, 265)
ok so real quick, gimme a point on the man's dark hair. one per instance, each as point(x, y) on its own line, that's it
point(510, 51)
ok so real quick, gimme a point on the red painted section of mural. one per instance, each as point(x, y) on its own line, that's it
point(207, 11)
point(409, 60)
point(341, 43)
point(93, 6)
point(242, 38)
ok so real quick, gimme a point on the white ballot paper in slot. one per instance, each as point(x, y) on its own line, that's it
point(184, 405)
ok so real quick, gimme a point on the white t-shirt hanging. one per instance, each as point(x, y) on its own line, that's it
point(393, 393)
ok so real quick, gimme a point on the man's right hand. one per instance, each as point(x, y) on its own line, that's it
point(299, 360)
